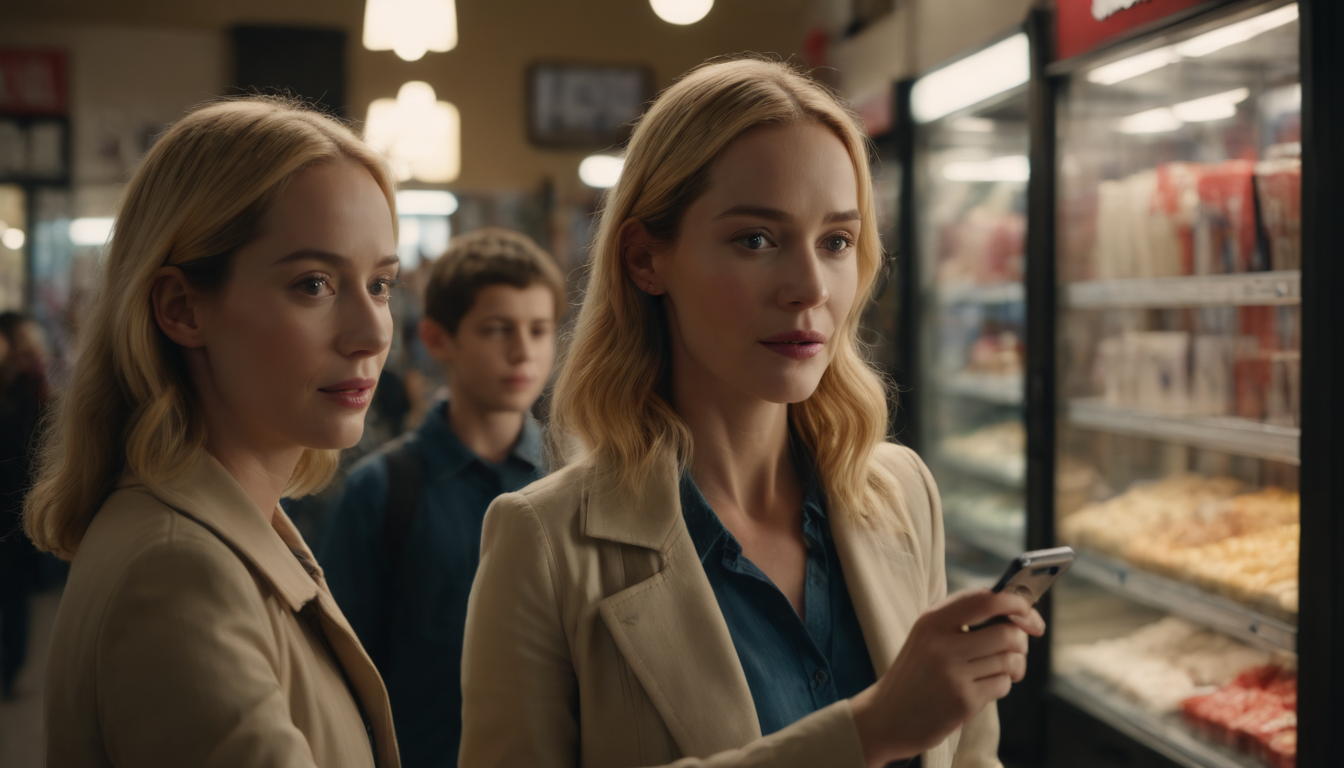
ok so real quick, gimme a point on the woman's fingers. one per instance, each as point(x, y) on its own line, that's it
point(1032, 623)
point(1010, 663)
point(993, 640)
point(969, 609)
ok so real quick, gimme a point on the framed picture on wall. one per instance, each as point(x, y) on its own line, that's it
point(584, 106)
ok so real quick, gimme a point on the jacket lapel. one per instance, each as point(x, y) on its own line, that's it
point(207, 493)
point(889, 592)
point(668, 626)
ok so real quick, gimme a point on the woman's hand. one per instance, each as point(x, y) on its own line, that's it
point(944, 676)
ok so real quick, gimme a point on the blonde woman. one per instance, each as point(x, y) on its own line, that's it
point(240, 326)
point(740, 571)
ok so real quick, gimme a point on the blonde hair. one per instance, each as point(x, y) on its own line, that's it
point(610, 393)
point(200, 194)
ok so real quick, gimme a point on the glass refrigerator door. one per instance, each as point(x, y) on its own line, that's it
point(1179, 339)
point(971, 179)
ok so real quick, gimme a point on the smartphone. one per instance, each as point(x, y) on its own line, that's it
point(1031, 574)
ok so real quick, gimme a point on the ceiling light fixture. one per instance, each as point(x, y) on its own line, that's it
point(681, 12)
point(601, 171)
point(91, 231)
point(1216, 107)
point(410, 27)
point(421, 136)
point(998, 68)
point(426, 202)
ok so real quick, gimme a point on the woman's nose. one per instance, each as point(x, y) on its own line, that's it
point(804, 283)
point(366, 327)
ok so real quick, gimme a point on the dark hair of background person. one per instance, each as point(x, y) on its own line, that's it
point(485, 257)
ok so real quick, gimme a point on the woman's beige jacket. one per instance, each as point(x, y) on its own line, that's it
point(190, 634)
point(594, 639)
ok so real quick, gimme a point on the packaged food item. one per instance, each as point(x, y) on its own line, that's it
point(1255, 713)
point(1161, 370)
point(1163, 664)
point(1177, 203)
point(1225, 238)
point(1283, 401)
point(1278, 186)
point(1211, 389)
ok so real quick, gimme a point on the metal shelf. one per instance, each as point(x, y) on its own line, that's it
point(1228, 434)
point(1188, 602)
point(1005, 390)
point(987, 293)
point(1167, 735)
point(995, 542)
point(1011, 473)
point(1247, 289)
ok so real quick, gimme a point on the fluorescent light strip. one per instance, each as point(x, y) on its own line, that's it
point(998, 68)
point(1195, 47)
point(91, 231)
point(1219, 106)
point(1007, 168)
point(426, 202)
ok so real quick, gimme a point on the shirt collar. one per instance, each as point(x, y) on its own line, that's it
point(707, 530)
point(444, 449)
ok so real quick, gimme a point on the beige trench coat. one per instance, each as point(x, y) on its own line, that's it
point(190, 634)
point(594, 639)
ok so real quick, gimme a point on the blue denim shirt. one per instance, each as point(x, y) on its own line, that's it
point(422, 668)
point(794, 667)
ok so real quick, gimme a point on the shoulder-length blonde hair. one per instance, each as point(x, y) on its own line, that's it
point(199, 195)
point(611, 390)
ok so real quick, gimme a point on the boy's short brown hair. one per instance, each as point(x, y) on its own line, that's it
point(484, 257)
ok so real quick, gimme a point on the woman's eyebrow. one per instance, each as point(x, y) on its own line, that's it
point(327, 257)
point(775, 214)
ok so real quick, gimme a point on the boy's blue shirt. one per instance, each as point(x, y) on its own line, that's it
point(422, 666)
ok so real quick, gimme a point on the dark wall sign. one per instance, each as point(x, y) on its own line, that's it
point(584, 106)
point(34, 132)
point(1084, 25)
point(32, 82)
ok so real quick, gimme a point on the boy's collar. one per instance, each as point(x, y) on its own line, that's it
point(438, 435)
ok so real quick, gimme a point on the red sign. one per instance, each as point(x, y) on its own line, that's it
point(32, 82)
point(1083, 25)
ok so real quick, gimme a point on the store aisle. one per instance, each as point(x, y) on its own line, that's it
point(21, 719)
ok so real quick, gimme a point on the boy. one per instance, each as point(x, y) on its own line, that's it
point(402, 547)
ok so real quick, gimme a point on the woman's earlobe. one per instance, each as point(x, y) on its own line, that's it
point(176, 310)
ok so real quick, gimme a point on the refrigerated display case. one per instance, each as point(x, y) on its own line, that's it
point(971, 170)
point(1178, 267)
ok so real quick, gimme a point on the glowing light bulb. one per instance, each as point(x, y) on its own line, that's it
point(681, 12)
point(601, 171)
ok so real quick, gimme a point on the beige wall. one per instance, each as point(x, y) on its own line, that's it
point(484, 76)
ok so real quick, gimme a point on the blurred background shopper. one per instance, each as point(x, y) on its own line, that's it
point(240, 327)
point(401, 549)
point(740, 569)
point(23, 396)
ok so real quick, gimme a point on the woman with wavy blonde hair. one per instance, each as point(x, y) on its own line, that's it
point(239, 329)
point(739, 570)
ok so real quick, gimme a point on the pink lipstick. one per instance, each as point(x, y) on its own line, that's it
point(797, 345)
point(351, 393)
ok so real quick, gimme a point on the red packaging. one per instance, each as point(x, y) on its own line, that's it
point(1278, 186)
point(1225, 232)
point(1177, 198)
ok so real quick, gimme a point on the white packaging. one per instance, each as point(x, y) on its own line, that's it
point(1162, 380)
point(1211, 390)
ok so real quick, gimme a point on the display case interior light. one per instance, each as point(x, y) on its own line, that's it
point(980, 76)
point(601, 171)
point(91, 231)
point(681, 12)
point(426, 202)
point(1219, 106)
point(973, 125)
point(1160, 120)
point(410, 28)
point(420, 136)
point(1010, 168)
point(1195, 47)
